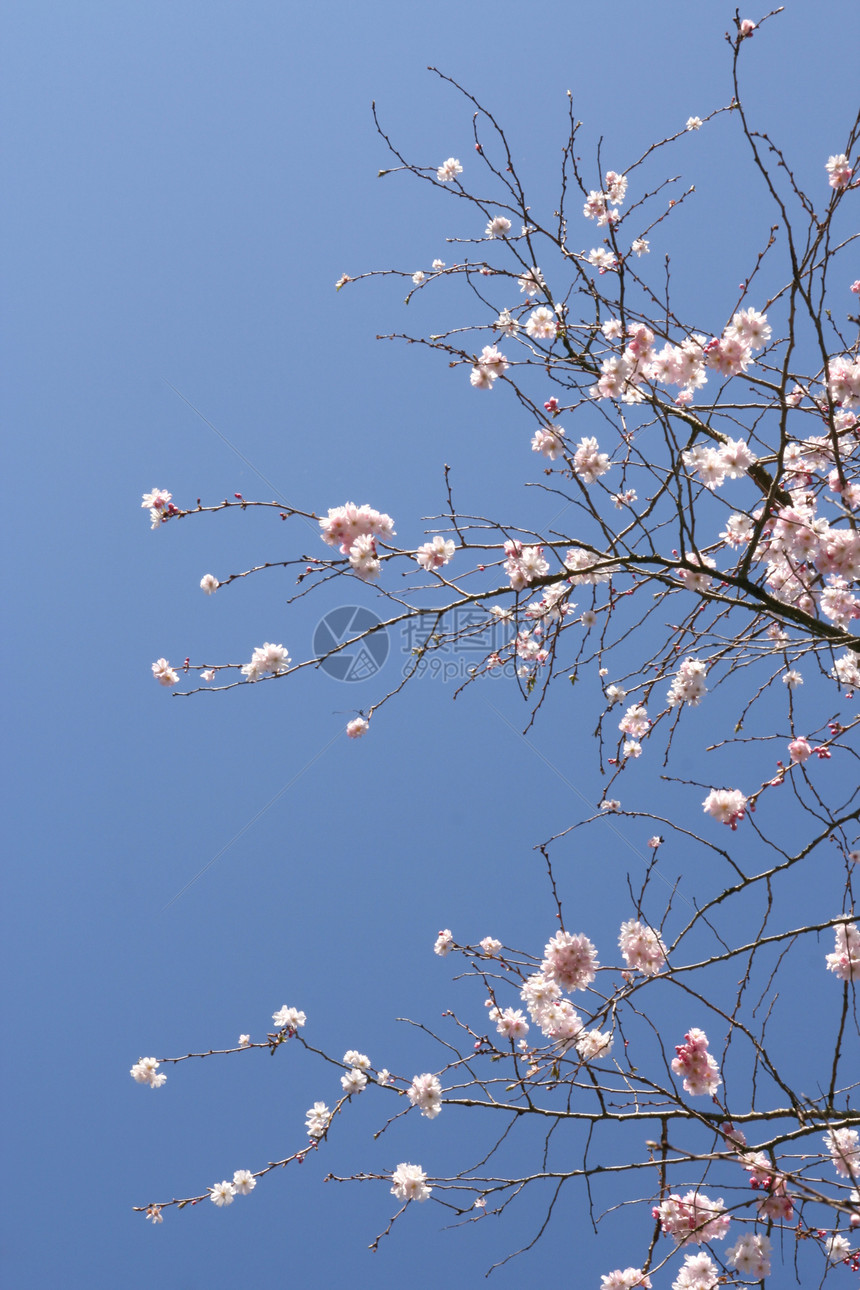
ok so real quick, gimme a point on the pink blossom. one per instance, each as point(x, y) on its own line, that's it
point(444, 942)
point(688, 685)
point(489, 366)
point(616, 187)
point(591, 1044)
point(425, 1092)
point(363, 557)
point(698, 1272)
point(510, 1022)
point(728, 805)
point(157, 500)
point(266, 660)
point(164, 673)
point(844, 1148)
point(602, 259)
point(799, 750)
point(777, 1205)
point(435, 554)
point(751, 1256)
point(498, 226)
point(629, 1279)
point(729, 355)
point(146, 1071)
point(845, 959)
point(531, 282)
point(589, 462)
point(693, 1219)
point(542, 324)
point(694, 580)
point(839, 169)
point(524, 564)
point(449, 170)
point(569, 960)
point(751, 327)
point(346, 523)
point(635, 722)
point(410, 1183)
point(695, 1063)
point(642, 947)
point(549, 440)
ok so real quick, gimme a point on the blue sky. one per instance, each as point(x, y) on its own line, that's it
point(184, 184)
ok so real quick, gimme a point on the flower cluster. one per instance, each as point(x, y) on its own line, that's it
point(498, 226)
point(410, 1183)
point(589, 462)
point(510, 1022)
point(712, 465)
point(683, 365)
point(635, 722)
point(731, 353)
point(449, 170)
point(838, 1249)
point(628, 1279)
point(159, 505)
point(146, 1072)
point(844, 382)
point(570, 961)
point(355, 1080)
point(444, 942)
point(697, 1272)
point(728, 805)
point(223, 1193)
point(839, 169)
point(557, 1019)
point(490, 365)
point(602, 205)
point(602, 259)
point(581, 564)
point(844, 1148)
point(266, 660)
point(695, 1063)
point(354, 529)
point(688, 684)
point(531, 282)
point(425, 1092)
point(642, 948)
point(542, 324)
point(692, 1219)
point(751, 1256)
point(524, 564)
point(548, 440)
point(318, 1120)
point(164, 673)
point(289, 1019)
point(435, 554)
point(804, 552)
point(845, 959)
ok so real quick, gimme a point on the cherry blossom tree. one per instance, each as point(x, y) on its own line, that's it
point(708, 485)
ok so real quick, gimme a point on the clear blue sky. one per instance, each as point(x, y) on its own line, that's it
point(184, 182)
